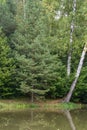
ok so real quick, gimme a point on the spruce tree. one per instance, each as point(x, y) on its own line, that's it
point(6, 67)
point(38, 67)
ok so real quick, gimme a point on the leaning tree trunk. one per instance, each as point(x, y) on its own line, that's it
point(68, 97)
point(71, 40)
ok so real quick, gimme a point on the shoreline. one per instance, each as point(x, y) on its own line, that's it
point(20, 104)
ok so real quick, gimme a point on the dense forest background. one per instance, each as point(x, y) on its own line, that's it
point(37, 39)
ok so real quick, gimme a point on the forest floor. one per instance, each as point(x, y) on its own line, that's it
point(27, 101)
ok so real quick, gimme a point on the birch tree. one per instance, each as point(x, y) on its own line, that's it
point(72, 26)
point(73, 85)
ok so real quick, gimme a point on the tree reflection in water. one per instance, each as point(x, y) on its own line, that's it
point(69, 117)
point(44, 120)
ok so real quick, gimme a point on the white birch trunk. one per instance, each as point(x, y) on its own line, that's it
point(71, 40)
point(68, 97)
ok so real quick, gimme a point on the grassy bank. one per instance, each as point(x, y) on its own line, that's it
point(23, 104)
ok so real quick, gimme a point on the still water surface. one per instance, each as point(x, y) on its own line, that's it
point(44, 120)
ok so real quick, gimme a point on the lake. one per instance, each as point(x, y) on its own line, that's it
point(44, 120)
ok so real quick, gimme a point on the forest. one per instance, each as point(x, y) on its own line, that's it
point(43, 45)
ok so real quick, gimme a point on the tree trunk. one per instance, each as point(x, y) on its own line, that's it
point(32, 95)
point(68, 97)
point(71, 40)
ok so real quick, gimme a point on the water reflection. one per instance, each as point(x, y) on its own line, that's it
point(44, 120)
point(70, 120)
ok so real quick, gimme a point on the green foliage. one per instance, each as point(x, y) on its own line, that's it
point(39, 45)
point(7, 21)
point(80, 94)
point(70, 106)
point(38, 67)
point(6, 66)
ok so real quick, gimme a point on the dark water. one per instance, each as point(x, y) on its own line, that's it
point(42, 120)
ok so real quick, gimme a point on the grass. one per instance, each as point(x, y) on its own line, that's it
point(16, 106)
point(63, 106)
point(20, 105)
point(70, 105)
